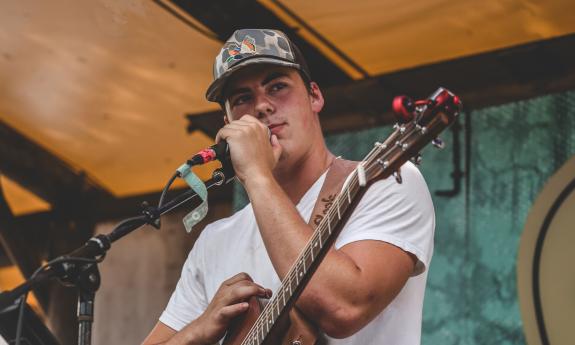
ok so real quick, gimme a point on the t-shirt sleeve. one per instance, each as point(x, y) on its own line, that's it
point(189, 299)
point(399, 214)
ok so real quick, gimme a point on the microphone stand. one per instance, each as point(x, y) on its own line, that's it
point(79, 267)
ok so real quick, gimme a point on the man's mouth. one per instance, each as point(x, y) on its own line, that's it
point(276, 127)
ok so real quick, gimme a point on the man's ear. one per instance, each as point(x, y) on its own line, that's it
point(226, 121)
point(316, 97)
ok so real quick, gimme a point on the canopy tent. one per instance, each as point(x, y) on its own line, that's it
point(104, 85)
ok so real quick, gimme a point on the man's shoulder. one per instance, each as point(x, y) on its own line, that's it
point(411, 189)
point(226, 226)
point(410, 177)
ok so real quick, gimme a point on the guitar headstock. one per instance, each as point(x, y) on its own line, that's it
point(419, 123)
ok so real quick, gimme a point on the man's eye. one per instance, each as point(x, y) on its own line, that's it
point(240, 100)
point(277, 86)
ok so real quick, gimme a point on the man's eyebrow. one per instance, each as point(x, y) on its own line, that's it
point(269, 78)
point(272, 76)
point(238, 91)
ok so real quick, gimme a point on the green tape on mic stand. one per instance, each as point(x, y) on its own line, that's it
point(199, 187)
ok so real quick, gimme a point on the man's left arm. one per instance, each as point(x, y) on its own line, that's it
point(351, 286)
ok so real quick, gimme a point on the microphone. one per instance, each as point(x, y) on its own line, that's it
point(219, 151)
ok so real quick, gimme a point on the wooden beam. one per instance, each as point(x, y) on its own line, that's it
point(209, 123)
point(223, 17)
point(44, 174)
point(71, 195)
point(482, 80)
point(18, 249)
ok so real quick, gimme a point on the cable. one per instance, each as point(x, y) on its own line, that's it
point(20, 317)
point(165, 191)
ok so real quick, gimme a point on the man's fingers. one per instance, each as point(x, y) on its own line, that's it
point(231, 311)
point(237, 127)
point(242, 293)
point(238, 277)
point(249, 118)
point(276, 147)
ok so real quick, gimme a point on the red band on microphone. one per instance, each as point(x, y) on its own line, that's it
point(207, 155)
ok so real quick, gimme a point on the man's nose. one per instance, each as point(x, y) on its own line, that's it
point(263, 106)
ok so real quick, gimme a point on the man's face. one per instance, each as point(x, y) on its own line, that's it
point(278, 97)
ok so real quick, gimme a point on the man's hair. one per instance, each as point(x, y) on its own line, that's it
point(306, 81)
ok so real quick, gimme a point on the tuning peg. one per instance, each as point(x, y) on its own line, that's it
point(416, 159)
point(397, 176)
point(437, 142)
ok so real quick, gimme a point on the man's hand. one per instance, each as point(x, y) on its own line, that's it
point(228, 302)
point(253, 152)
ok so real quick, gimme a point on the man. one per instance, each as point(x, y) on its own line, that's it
point(369, 288)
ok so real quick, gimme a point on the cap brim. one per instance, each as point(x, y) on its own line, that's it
point(214, 92)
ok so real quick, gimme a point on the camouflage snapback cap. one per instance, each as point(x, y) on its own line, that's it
point(250, 46)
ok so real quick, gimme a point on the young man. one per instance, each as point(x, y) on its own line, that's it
point(369, 288)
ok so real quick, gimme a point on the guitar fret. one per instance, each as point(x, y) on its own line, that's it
point(257, 335)
point(337, 206)
point(278, 308)
point(297, 275)
point(311, 249)
point(348, 196)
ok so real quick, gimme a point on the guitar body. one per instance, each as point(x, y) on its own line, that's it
point(291, 330)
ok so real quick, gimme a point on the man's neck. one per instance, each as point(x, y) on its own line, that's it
point(299, 177)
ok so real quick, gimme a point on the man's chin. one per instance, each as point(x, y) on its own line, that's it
point(282, 161)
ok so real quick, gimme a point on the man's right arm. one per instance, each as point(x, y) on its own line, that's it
point(228, 302)
point(160, 334)
point(164, 335)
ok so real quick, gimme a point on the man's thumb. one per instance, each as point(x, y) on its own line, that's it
point(276, 147)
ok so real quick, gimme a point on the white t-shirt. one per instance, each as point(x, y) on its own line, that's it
point(400, 214)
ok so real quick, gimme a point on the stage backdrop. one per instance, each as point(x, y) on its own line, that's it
point(507, 153)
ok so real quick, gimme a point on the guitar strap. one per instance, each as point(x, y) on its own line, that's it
point(336, 175)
